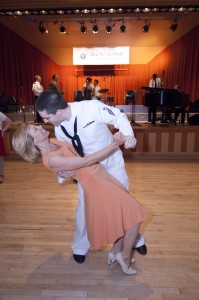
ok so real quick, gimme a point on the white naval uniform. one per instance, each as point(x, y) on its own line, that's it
point(155, 83)
point(92, 119)
point(37, 88)
point(96, 92)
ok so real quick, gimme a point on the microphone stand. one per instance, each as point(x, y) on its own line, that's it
point(23, 107)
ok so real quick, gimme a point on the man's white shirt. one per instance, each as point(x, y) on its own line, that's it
point(92, 120)
point(37, 88)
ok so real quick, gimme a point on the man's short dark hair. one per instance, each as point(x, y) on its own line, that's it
point(50, 101)
point(88, 79)
point(54, 76)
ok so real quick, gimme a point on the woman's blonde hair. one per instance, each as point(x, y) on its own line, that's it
point(23, 144)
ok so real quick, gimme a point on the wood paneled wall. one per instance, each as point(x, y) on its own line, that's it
point(153, 142)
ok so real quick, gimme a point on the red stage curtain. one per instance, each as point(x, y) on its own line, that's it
point(20, 62)
point(181, 64)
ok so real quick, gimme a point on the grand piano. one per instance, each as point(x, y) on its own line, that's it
point(168, 100)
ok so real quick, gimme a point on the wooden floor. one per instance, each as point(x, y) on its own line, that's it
point(37, 224)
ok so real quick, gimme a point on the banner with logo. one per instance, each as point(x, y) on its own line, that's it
point(101, 56)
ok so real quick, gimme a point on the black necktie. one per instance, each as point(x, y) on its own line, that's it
point(75, 139)
point(155, 83)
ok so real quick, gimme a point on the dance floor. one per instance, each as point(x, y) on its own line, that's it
point(37, 221)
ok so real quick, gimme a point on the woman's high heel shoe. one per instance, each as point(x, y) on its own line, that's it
point(127, 269)
point(112, 258)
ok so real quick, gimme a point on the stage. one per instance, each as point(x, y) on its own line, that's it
point(162, 141)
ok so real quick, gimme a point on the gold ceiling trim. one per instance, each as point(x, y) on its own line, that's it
point(99, 11)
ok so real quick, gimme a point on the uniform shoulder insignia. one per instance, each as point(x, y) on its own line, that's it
point(109, 111)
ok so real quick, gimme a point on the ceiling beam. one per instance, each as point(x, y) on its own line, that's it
point(35, 4)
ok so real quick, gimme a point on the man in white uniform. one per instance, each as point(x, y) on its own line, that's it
point(88, 120)
point(96, 95)
point(155, 82)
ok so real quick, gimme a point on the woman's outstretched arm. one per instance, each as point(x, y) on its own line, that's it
point(60, 163)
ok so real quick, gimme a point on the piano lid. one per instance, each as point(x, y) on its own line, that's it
point(147, 88)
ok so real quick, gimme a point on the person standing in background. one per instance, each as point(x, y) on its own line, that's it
point(37, 89)
point(96, 94)
point(8, 122)
point(55, 85)
point(155, 82)
point(87, 89)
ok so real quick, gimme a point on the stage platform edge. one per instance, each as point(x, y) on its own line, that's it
point(162, 141)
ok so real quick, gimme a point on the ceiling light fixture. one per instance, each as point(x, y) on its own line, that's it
point(43, 12)
point(110, 10)
point(108, 29)
point(18, 13)
point(95, 29)
point(85, 11)
point(42, 28)
point(26, 12)
point(174, 25)
point(123, 28)
point(62, 29)
point(94, 11)
point(83, 28)
point(146, 10)
point(145, 28)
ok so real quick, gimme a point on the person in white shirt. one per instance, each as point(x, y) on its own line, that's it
point(155, 82)
point(37, 89)
point(7, 121)
point(88, 120)
point(96, 88)
point(87, 89)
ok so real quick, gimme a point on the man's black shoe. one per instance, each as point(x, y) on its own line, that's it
point(142, 249)
point(79, 258)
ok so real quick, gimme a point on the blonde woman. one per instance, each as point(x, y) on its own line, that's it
point(112, 214)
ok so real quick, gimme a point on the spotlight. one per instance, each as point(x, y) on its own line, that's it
point(42, 28)
point(83, 29)
point(174, 26)
point(62, 29)
point(122, 28)
point(145, 28)
point(108, 29)
point(95, 29)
